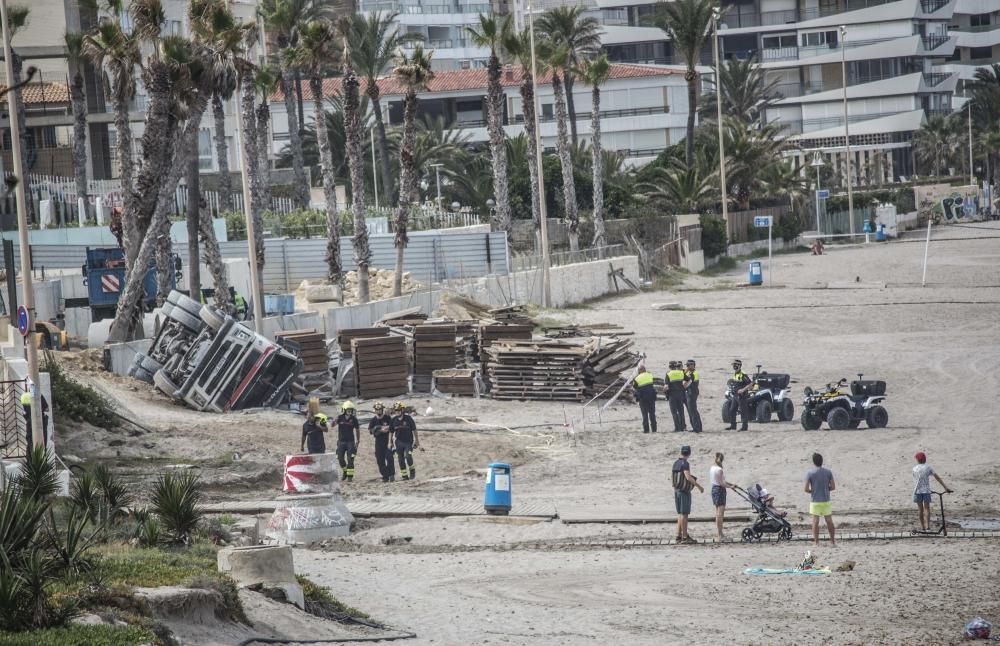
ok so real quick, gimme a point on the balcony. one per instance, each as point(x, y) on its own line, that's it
point(930, 6)
point(933, 79)
point(780, 54)
point(975, 29)
point(933, 41)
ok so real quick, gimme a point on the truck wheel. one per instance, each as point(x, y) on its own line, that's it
point(763, 412)
point(185, 318)
point(877, 417)
point(786, 410)
point(165, 384)
point(810, 420)
point(185, 303)
point(728, 411)
point(838, 418)
point(149, 364)
point(212, 317)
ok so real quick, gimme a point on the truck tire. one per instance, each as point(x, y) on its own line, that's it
point(877, 417)
point(165, 384)
point(142, 375)
point(786, 410)
point(810, 420)
point(838, 418)
point(763, 412)
point(728, 411)
point(188, 320)
point(212, 317)
point(185, 303)
point(149, 364)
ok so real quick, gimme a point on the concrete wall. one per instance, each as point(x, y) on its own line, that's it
point(354, 316)
point(746, 248)
point(101, 236)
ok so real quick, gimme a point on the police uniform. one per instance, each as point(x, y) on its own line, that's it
point(645, 393)
point(26, 400)
point(347, 446)
point(691, 392)
point(675, 395)
point(380, 427)
point(742, 380)
point(404, 429)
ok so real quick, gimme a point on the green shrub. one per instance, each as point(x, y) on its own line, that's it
point(713, 236)
point(77, 402)
point(230, 594)
point(154, 567)
point(788, 227)
point(321, 603)
point(175, 503)
point(37, 478)
point(81, 636)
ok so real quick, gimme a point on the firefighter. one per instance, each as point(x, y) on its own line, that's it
point(691, 394)
point(675, 395)
point(348, 439)
point(380, 427)
point(313, 432)
point(404, 431)
point(743, 385)
point(645, 394)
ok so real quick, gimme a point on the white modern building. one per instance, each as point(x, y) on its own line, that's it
point(976, 23)
point(643, 107)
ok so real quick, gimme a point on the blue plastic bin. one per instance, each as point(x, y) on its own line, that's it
point(497, 498)
point(880, 234)
point(756, 275)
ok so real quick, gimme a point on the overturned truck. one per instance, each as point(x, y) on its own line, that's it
point(212, 362)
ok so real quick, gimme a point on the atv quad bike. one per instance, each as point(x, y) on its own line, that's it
point(770, 394)
point(841, 410)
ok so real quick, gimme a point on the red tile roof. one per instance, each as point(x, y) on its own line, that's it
point(475, 79)
point(48, 92)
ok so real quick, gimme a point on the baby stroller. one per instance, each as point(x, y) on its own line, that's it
point(768, 520)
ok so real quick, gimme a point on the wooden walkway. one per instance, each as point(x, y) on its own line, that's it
point(640, 515)
point(366, 509)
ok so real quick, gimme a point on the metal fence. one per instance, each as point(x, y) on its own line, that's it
point(838, 222)
point(528, 262)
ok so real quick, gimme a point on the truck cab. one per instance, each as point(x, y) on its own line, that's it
point(104, 277)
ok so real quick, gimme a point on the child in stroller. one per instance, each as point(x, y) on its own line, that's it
point(769, 520)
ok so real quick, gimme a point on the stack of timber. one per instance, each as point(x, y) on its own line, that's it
point(433, 349)
point(606, 360)
point(466, 343)
point(535, 370)
point(345, 336)
point(595, 329)
point(380, 366)
point(457, 381)
point(489, 333)
point(408, 317)
point(310, 346)
point(513, 314)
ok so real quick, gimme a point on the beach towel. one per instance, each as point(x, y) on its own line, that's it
point(790, 570)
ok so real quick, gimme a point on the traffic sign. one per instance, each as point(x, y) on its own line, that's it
point(822, 194)
point(762, 221)
point(22, 320)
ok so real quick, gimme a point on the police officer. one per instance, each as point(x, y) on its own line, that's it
point(26, 400)
point(691, 387)
point(675, 395)
point(380, 427)
point(404, 431)
point(645, 394)
point(743, 384)
point(348, 439)
point(313, 432)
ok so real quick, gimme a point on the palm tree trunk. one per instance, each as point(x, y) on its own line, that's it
point(383, 146)
point(79, 101)
point(600, 239)
point(334, 272)
point(498, 146)
point(692, 79)
point(566, 163)
point(570, 104)
point(248, 101)
point(222, 153)
point(18, 63)
point(193, 224)
point(263, 152)
point(406, 186)
point(164, 260)
point(294, 140)
point(528, 108)
point(356, 164)
point(213, 259)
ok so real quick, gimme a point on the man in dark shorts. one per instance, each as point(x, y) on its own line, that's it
point(683, 483)
point(348, 439)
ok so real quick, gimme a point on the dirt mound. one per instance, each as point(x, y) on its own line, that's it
point(379, 285)
point(91, 360)
point(460, 308)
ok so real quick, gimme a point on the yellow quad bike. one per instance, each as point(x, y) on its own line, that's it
point(843, 410)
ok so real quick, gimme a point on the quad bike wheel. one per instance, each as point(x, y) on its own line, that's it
point(877, 417)
point(838, 418)
point(747, 535)
point(728, 411)
point(785, 534)
point(810, 420)
point(763, 412)
point(786, 410)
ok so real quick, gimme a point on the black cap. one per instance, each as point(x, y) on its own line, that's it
point(685, 450)
point(690, 361)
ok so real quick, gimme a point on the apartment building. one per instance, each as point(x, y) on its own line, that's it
point(643, 107)
point(976, 23)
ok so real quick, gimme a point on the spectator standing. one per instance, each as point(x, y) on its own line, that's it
point(683, 483)
point(819, 484)
point(717, 477)
point(922, 473)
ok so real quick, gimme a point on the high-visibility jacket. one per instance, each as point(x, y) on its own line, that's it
point(675, 381)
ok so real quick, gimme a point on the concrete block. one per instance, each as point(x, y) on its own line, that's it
point(78, 320)
point(48, 297)
point(304, 519)
point(322, 293)
point(666, 306)
point(303, 321)
point(122, 354)
point(97, 333)
point(269, 565)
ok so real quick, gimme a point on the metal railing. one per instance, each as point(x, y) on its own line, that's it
point(558, 259)
point(977, 28)
point(780, 54)
point(933, 41)
point(932, 79)
point(930, 6)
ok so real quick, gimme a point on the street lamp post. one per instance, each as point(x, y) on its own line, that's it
point(28, 293)
point(847, 128)
point(972, 174)
point(817, 163)
point(437, 177)
point(543, 224)
point(716, 16)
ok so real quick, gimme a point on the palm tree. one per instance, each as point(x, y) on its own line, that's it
point(78, 99)
point(490, 35)
point(595, 72)
point(374, 41)
point(932, 142)
point(580, 36)
point(746, 93)
point(687, 23)
point(317, 48)
point(17, 18)
point(565, 149)
point(355, 160)
point(283, 18)
point(750, 149)
point(266, 82)
point(681, 187)
point(414, 73)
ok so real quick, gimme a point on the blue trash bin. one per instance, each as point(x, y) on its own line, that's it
point(756, 275)
point(880, 234)
point(497, 498)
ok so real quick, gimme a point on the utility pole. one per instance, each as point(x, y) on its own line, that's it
point(847, 129)
point(27, 291)
point(546, 287)
point(258, 296)
point(716, 16)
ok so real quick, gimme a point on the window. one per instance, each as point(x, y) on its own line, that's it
point(173, 27)
point(468, 106)
point(819, 39)
point(777, 42)
point(547, 110)
point(204, 149)
point(979, 20)
point(976, 53)
point(480, 63)
point(465, 65)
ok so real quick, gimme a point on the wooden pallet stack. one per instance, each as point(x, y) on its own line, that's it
point(433, 349)
point(491, 332)
point(408, 317)
point(606, 360)
point(457, 381)
point(512, 314)
point(310, 346)
point(466, 343)
point(346, 335)
point(535, 370)
point(381, 368)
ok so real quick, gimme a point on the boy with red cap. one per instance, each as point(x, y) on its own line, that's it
point(922, 473)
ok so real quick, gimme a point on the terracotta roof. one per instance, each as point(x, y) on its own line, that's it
point(475, 79)
point(48, 92)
